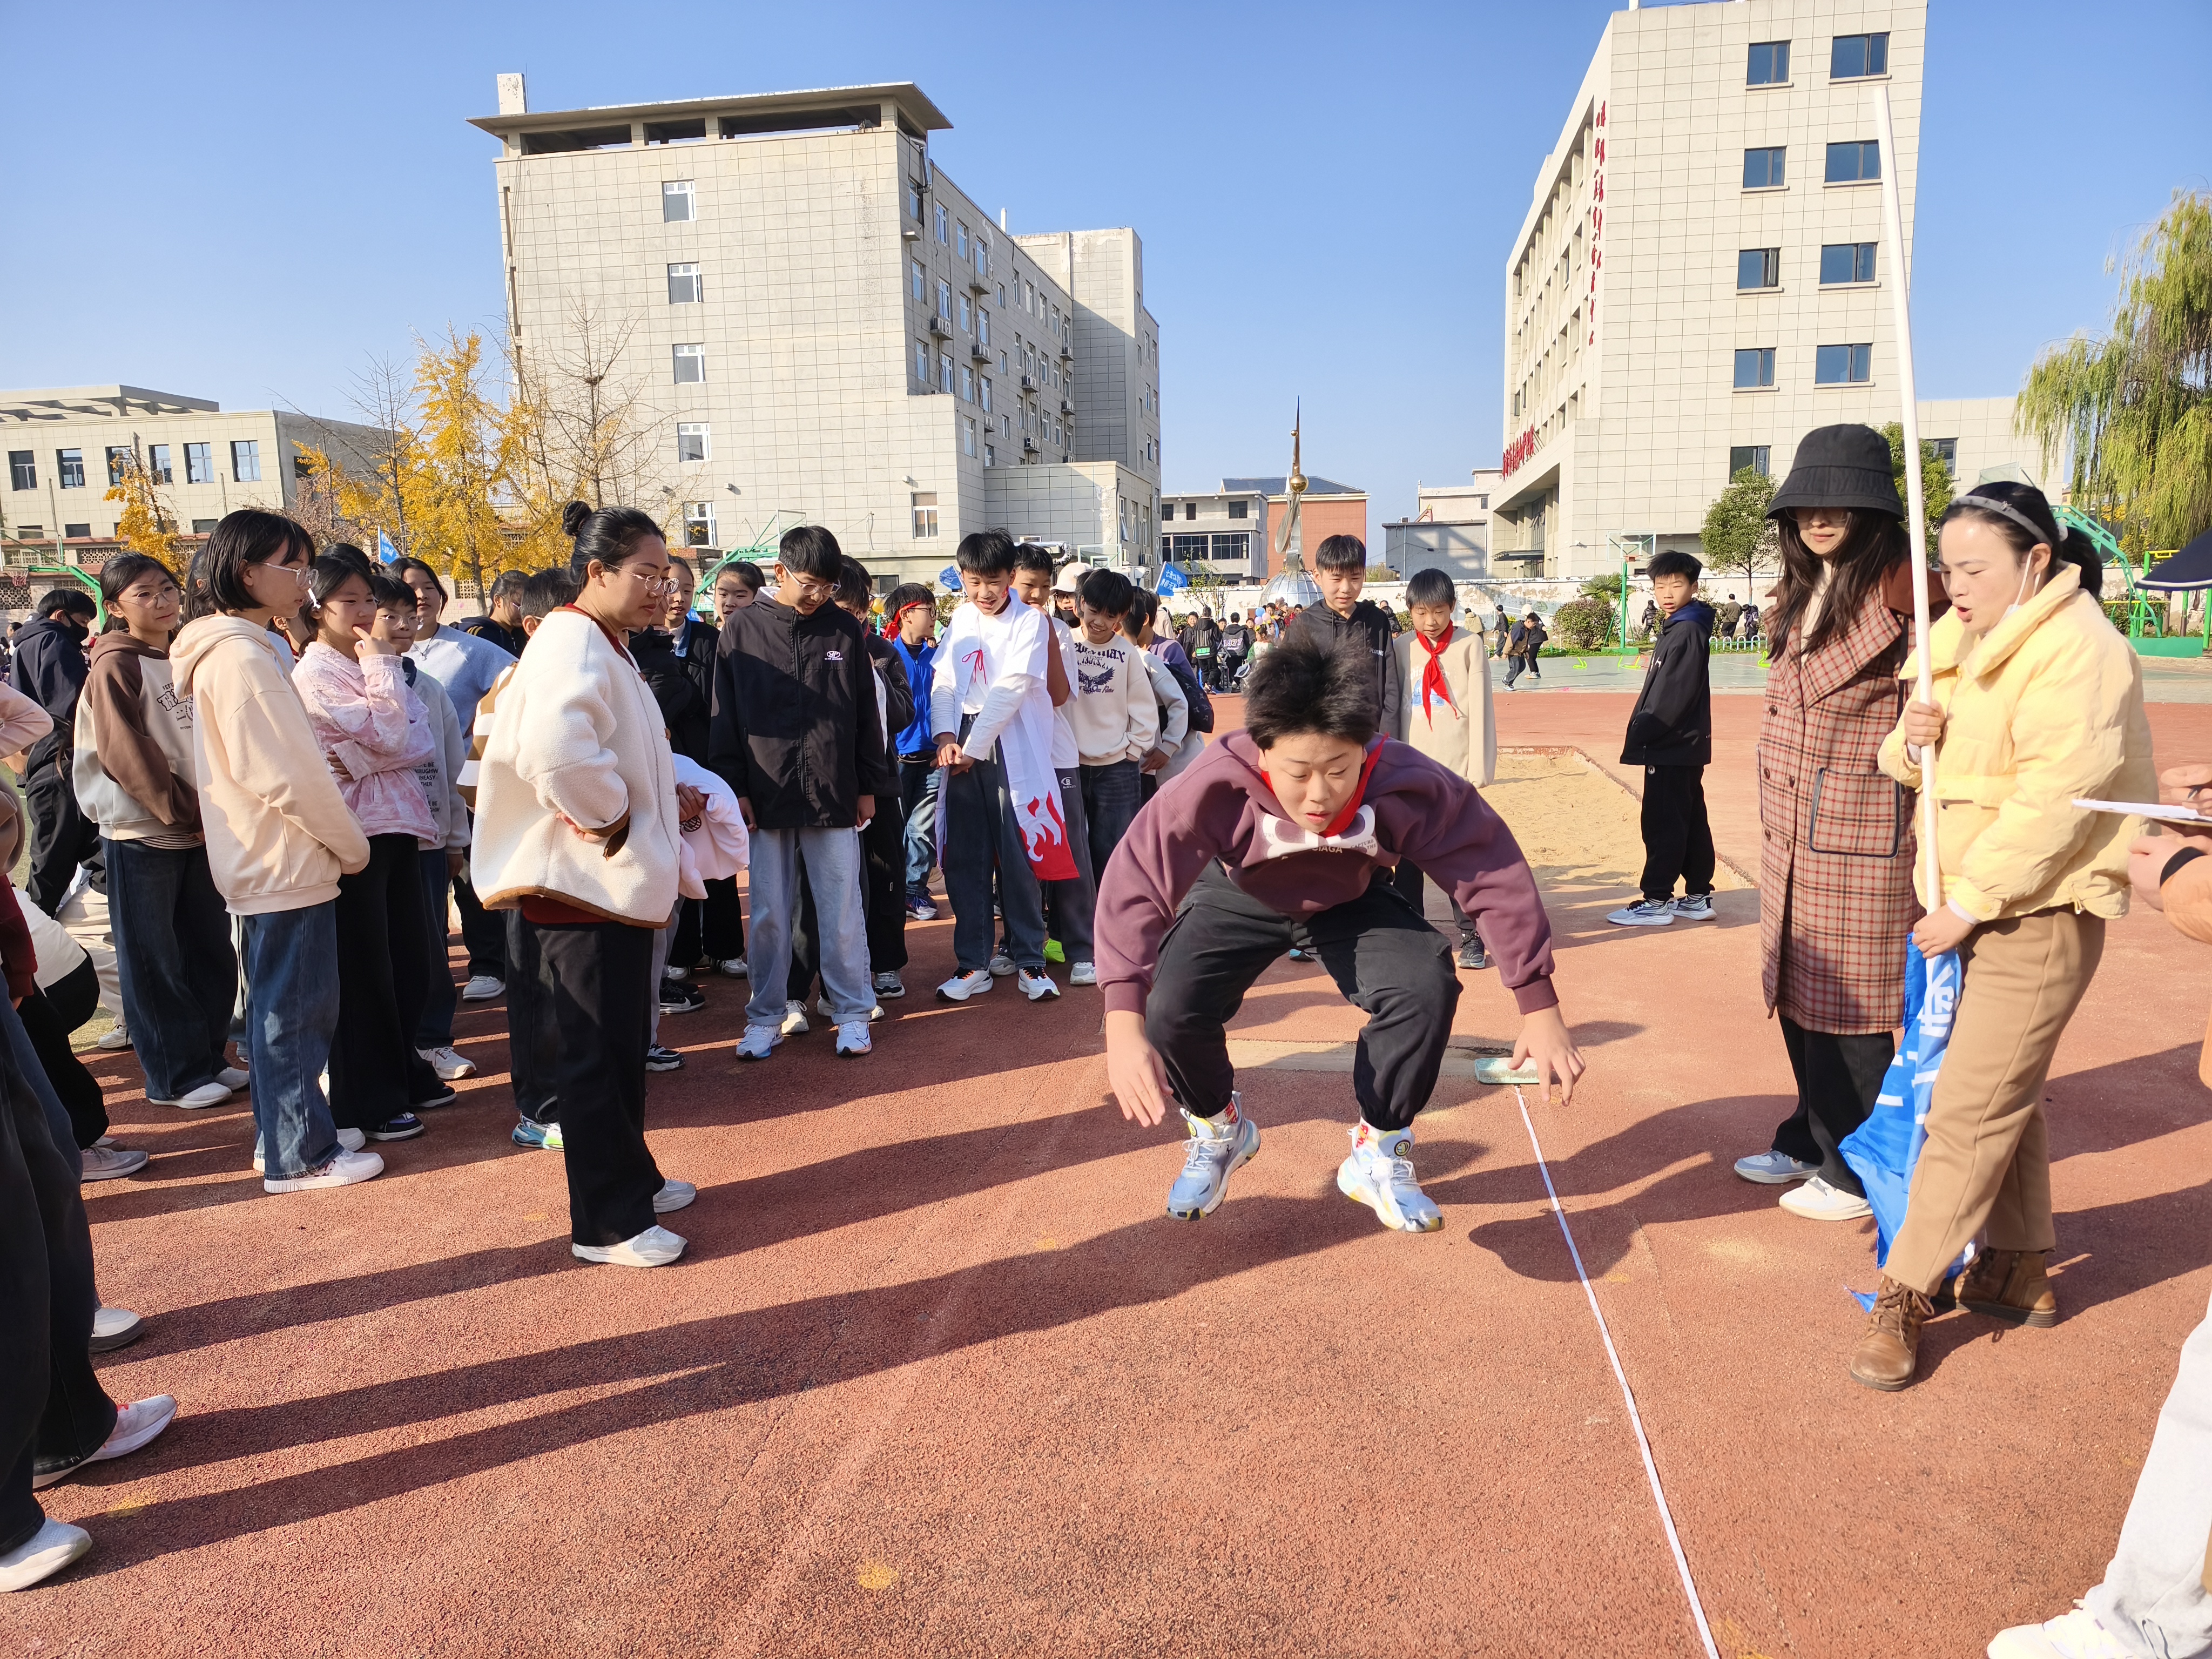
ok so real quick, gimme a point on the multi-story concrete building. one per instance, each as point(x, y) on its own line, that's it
point(821, 326)
point(1702, 276)
point(1224, 532)
point(66, 446)
point(1449, 530)
point(1328, 509)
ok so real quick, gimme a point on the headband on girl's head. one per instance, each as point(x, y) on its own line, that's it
point(2007, 510)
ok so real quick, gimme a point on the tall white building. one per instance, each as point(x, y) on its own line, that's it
point(825, 328)
point(1703, 275)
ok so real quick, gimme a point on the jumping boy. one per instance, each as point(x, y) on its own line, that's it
point(1340, 572)
point(1670, 735)
point(1446, 715)
point(1284, 832)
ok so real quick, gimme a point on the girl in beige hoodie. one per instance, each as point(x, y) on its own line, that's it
point(278, 834)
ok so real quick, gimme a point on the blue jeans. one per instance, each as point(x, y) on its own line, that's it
point(832, 860)
point(435, 1028)
point(980, 825)
point(172, 953)
point(291, 1014)
point(918, 792)
point(1111, 796)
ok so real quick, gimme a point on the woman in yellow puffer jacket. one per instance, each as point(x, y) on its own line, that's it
point(2039, 702)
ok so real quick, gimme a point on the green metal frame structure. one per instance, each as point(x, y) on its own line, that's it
point(90, 584)
point(781, 520)
point(2141, 615)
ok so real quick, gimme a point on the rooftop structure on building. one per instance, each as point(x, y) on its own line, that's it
point(820, 325)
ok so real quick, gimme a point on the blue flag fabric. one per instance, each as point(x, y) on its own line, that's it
point(385, 550)
point(949, 578)
point(1883, 1150)
point(1172, 580)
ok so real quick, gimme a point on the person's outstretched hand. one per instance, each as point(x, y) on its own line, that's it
point(1545, 1040)
point(1133, 1070)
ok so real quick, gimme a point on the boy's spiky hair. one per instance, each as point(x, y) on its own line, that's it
point(1299, 687)
point(812, 550)
point(1107, 592)
point(985, 553)
point(1341, 553)
point(1431, 587)
point(1675, 563)
point(545, 591)
point(1033, 555)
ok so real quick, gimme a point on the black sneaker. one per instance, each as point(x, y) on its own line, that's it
point(658, 1058)
point(405, 1126)
point(1471, 953)
point(443, 1097)
point(678, 997)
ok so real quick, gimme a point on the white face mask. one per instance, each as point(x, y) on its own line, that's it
point(2026, 591)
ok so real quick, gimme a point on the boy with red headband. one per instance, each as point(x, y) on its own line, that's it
point(1445, 713)
point(1285, 833)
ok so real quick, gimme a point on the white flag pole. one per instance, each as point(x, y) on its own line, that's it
point(1915, 516)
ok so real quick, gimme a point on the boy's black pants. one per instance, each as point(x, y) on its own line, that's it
point(1383, 957)
point(1678, 842)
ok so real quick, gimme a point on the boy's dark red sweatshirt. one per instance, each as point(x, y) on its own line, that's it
point(1223, 808)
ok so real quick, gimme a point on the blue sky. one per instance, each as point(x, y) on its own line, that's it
point(235, 202)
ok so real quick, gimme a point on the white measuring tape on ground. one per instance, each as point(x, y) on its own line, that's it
point(1635, 1418)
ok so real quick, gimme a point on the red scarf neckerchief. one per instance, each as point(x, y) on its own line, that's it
point(1432, 674)
point(1342, 821)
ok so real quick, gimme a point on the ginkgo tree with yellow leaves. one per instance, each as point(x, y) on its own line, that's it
point(146, 525)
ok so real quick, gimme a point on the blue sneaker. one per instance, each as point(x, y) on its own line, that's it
point(1219, 1147)
point(405, 1126)
point(537, 1137)
point(919, 908)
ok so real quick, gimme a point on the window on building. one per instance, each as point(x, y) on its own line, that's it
point(924, 513)
point(1949, 449)
point(1190, 509)
point(684, 285)
point(116, 453)
point(1236, 509)
point(985, 389)
point(690, 361)
point(77, 533)
point(922, 361)
point(1759, 267)
point(918, 283)
point(157, 464)
point(1770, 63)
point(1028, 296)
point(699, 524)
point(1754, 367)
point(968, 383)
point(679, 204)
point(982, 258)
point(913, 200)
point(22, 468)
point(968, 434)
point(1854, 162)
point(967, 316)
point(990, 454)
point(1842, 365)
point(1232, 544)
point(960, 240)
point(1855, 55)
point(1762, 168)
point(70, 464)
point(245, 461)
point(945, 371)
point(1756, 456)
point(1846, 262)
point(693, 442)
point(982, 327)
point(199, 464)
point(942, 235)
point(944, 300)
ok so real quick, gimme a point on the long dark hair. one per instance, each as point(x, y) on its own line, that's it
point(2011, 502)
point(251, 535)
point(1874, 544)
point(116, 577)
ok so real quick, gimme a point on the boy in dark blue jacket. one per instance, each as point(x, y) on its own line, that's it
point(1670, 735)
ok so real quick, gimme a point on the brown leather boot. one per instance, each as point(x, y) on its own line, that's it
point(2008, 1285)
point(1887, 1352)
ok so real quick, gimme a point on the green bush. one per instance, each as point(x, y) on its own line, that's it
point(1582, 625)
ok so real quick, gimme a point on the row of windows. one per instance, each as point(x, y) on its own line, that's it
point(1832, 365)
point(1217, 545)
point(1842, 265)
point(1760, 457)
point(1851, 57)
point(1236, 509)
point(199, 465)
point(1850, 161)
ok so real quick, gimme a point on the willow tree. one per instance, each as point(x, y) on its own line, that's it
point(2135, 407)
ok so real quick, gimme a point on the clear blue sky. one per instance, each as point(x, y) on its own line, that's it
point(247, 204)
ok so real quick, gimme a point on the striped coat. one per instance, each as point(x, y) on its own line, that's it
point(1836, 842)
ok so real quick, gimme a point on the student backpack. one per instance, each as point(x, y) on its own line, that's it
point(1202, 707)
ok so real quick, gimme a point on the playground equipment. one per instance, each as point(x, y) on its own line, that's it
point(761, 550)
point(2143, 617)
point(89, 583)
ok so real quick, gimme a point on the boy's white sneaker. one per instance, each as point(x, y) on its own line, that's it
point(1219, 1147)
point(656, 1247)
point(233, 1076)
point(1002, 964)
point(208, 1094)
point(43, 1554)
point(1035, 984)
point(852, 1039)
point(2075, 1635)
point(1084, 973)
point(795, 1020)
point(135, 1425)
point(961, 986)
point(449, 1063)
point(483, 988)
point(757, 1040)
point(1816, 1200)
point(343, 1170)
point(1644, 913)
point(1380, 1175)
point(1694, 907)
point(351, 1141)
point(673, 1196)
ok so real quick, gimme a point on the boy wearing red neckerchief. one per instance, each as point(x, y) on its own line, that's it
point(1285, 833)
point(1446, 714)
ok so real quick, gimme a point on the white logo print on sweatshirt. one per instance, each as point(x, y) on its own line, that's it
point(1279, 838)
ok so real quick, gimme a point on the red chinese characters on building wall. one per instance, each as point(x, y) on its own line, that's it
point(1518, 452)
point(1597, 222)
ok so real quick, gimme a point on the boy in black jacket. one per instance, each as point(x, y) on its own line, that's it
point(1670, 735)
point(1340, 571)
point(797, 733)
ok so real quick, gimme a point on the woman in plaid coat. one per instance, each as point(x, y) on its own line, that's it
point(1835, 881)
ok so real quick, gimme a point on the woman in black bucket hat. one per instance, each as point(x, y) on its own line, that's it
point(1836, 842)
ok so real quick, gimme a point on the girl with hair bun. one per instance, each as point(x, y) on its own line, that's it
point(2038, 703)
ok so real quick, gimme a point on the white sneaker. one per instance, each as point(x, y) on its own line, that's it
point(795, 1020)
point(449, 1063)
point(115, 1328)
point(1816, 1200)
point(961, 986)
point(1036, 985)
point(656, 1247)
point(2075, 1635)
point(483, 988)
point(672, 971)
point(1379, 1175)
point(1084, 973)
point(343, 1170)
point(1694, 907)
point(351, 1141)
point(114, 1037)
point(823, 1008)
point(733, 966)
point(135, 1425)
point(208, 1094)
point(890, 985)
point(1002, 964)
point(1644, 913)
point(110, 1163)
point(44, 1553)
point(233, 1076)
point(757, 1040)
point(852, 1039)
point(1217, 1150)
point(673, 1196)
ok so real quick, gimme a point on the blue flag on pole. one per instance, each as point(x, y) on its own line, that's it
point(385, 550)
point(949, 578)
point(1172, 580)
point(1883, 1150)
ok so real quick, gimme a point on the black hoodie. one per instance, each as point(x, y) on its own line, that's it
point(50, 667)
point(1672, 724)
point(794, 728)
point(1370, 628)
